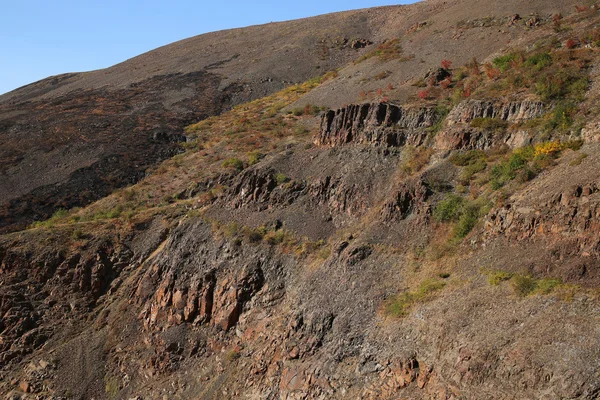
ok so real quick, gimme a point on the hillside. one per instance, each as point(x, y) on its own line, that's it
point(415, 218)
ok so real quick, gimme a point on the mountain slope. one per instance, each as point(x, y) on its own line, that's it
point(436, 238)
point(129, 117)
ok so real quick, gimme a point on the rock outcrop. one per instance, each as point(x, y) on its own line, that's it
point(385, 124)
point(382, 124)
point(513, 111)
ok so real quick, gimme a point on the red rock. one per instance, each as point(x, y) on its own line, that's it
point(24, 386)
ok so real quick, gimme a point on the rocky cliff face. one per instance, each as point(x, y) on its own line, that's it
point(514, 111)
point(377, 123)
point(252, 321)
point(383, 124)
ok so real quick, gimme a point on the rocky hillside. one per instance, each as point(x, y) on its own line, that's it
point(417, 221)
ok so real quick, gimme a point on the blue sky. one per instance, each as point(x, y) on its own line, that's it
point(40, 38)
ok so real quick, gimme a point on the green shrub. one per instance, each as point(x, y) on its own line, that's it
point(78, 234)
point(108, 214)
point(234, 163)
point(254, 157)
point(468, 171)
point(275, 237)
point(112, 387)
point(231, 229)
point(550, 88)
point(561, 118)
point(253, 235)
point(506, 171)
point(473, 161)
point(449, 209)
point(539, 61)
point(523, 285)
point(505, 62)
point(577, 87)
point(464, 213)
point(280, 178)
point(467, 221)
point(441, 111)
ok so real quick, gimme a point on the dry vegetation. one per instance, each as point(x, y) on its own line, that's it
point(221, 146)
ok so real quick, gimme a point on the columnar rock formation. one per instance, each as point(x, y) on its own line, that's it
point(385, 124)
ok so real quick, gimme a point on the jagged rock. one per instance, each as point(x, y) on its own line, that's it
point(259, 188)
point(384, 124)
point(514, 19)
point(378, 123)
point(411, 198)
point(360, 43)
point(533, 22)
point(436, 76)
point(513, 111)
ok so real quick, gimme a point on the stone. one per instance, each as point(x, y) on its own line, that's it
point(24, 386)
point(294, 353)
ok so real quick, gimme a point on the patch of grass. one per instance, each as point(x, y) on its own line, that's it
point(524, 285)
point(281, 178)
point(232, 355)
point(58, 215)
point(441, 112)
point(416, 158)
point(111, 387)
point(547, 285)
point(578, 160)
point(108, 214)
point(254, 157)
point(539, 61)
point(552, 74)
point(489, 124)
point(388, 50)
point(497, 277)
point(399, 306)
point(561, 118)
point(466, 158)
point(462, 212)
point(506, 61)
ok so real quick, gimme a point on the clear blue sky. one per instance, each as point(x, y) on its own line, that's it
point(40, 38)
